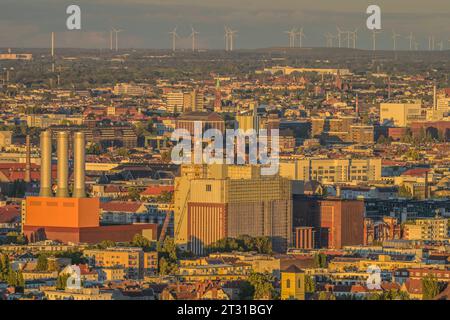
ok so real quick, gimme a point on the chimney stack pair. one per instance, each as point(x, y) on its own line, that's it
point(63, 164)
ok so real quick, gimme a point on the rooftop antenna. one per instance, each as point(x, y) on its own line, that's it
point(174, 39)
point(394, 37)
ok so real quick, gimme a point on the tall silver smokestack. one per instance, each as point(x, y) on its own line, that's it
point(28, 160)
point(63, 164)
point(79, 165)
point(46, 164)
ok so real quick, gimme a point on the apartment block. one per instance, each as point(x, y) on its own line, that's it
point(426, 229)
point(332, 170)
point(134, 261)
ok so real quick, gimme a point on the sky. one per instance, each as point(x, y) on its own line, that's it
point(260, 23)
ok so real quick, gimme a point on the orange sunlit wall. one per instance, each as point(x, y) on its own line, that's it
point(62, 212)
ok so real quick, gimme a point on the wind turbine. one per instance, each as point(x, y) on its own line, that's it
point(300, 35)
point(117, 37)
point(394, 37)
point(292, 34)
point(227, 39)
point(431, 41)
point(411, 40)
point(111, 39)
point(329, 40)
point(355, 37)
point(374, 39)
point(193, 34)
point(231, 34)
point(348, 38)
point(340, 32)
point(174, 38)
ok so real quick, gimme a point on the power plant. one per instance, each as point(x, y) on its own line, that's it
point(71, 218)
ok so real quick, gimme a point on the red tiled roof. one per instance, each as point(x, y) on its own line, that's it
point(16, 171)
point(9, 213)
point(418, 172)
point(120, 206)
point(414, 285)
point(156, 190)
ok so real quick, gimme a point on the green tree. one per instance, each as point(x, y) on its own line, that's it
point(168, 256)
point(61, 281)
point(105, 244)
point(404, 192)
point(15, 238)
point(141, 241)
point(42, 263)
point(52, 265)
point(320, 260)
point(326, 296)
point(246, 291)
point(4, 267)
point(310, 285)
point(389, 295)
point(15, 279)
point(123, 152)
point(166, 267)
point(134, 194)
point(431, 287)
point(262, 284)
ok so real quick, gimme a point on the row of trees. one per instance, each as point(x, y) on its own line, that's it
point(242, 243)
point(258, 286)
point(7, 274)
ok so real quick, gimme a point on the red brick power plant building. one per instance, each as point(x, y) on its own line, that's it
point(71, 219)
point(327, 223)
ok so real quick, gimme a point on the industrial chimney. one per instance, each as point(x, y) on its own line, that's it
point(79, 165)
point(63, 164)
point(46, 164)
point(28, 160)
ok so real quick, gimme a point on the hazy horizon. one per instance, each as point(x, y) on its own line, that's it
point(260, 24)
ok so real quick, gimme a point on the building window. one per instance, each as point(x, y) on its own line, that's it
point(299, 284)
point(288, 283)
point(208, 188)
